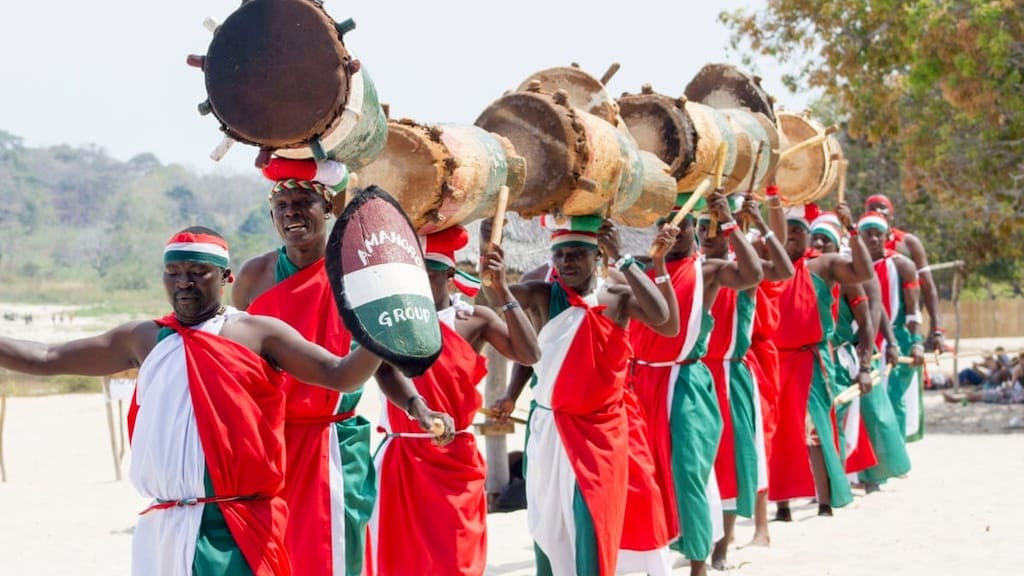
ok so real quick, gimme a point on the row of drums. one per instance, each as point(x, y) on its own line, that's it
point(559, 143)
point(562, 145)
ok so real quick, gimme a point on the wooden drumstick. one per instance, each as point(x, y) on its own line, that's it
point(842, 181)
point(723, 149)
point(753, 176)
point(695, 197)
point(494, 414)
point(497, 224)
point(812, 141)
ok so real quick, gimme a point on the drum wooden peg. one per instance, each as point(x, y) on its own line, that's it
point(196, 61)
point(560, 97)
point(610, 73)
point(757, 80)
point(387, 110)
point(534, 86)
point(345, 26)
point(222, 148)
point(587, 185)
point(263, 158)
point(204, 108)
point(317, 149)
point(435, 133)
point(450, 164)
point(647, 89)
point(211, 25)
point(575, 65)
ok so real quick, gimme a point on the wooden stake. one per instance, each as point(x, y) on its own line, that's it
point(843, 165)
point(494, 414)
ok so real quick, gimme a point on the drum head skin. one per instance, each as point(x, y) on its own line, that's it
point(723, 86)
point(662, 126)
point(276, 73)
point(375, 266)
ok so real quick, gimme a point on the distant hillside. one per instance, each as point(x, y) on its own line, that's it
point(75, 217)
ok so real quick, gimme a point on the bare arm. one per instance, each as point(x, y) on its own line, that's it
point(929, 294)
point(401, 391)
point(284, 347)
point(911, 294)
point(858, 268)
point(514, 338)
point(865, 325)
point(663, 241)
point(118, 349)
point(777, 266)
point(644, 301)
point(246, 286)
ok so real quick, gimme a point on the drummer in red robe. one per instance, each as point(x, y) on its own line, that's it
point(431, 510)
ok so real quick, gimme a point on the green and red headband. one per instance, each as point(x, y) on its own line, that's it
point(197, 247)
point(572, 231)
point(873, 220)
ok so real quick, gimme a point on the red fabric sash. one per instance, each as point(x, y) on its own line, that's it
point(798, 304)
point(432, 506)
point(763, 357)
point(239, 410)
point(648, 344)
point(721, 340)
point(895, 237)
point(591, 420)
point(646, 525)
point(305, 302)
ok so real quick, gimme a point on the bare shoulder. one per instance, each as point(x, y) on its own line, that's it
point(257, 266)
point(254, 277)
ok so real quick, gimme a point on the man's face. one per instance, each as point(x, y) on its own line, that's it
point(299, 216)
point(194, 289)
point(683, 246)
point(798, 238)
point(874, 239)
point(717, 247)
point(575, 265)
point(439, 284)
point(823, 243)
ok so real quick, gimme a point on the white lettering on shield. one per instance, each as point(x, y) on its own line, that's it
point(396, 238)
point(407, 314)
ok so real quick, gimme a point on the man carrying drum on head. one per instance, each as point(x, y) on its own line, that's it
point(910, 245)
point(431, 510)
point(675, 388)
point(329, 483)
point(576, 462)
point(805, 461)
point(207, 423)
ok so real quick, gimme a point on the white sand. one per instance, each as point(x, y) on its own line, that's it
point(960, 511)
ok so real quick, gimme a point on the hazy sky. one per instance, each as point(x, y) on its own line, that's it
point(113, 73)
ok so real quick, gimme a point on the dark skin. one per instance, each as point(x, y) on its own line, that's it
point(875, 240)
point(741, 274)
point(194, 290)
point(636, 298)
point(912, 247)
point(300, 219)
point(774, 260)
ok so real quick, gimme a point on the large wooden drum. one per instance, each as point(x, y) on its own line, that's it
point(811, 173)
point(657, 198)
point(574, 159)
point(446, 174)
point(660, 125)
point(278, 76)
point(723, 86)
point(583, 90)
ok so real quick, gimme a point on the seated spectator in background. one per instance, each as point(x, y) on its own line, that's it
point(1009, 393)
point(981, 373)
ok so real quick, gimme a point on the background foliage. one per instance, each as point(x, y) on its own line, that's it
point(931, 96)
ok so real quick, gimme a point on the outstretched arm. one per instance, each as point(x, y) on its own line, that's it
point(119, 349)
point(646, 302)
point(516, 383)
point(861, 308)
point(778, 266)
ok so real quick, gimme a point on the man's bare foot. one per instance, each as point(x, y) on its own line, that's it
point(719, 553)
point(698, 568)
point(871, 487)
point(783, 515)
point(761, 539)
point(824, 510)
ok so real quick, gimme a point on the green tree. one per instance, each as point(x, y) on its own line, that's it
point(937, 84)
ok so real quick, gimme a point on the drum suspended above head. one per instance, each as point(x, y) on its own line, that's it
point(806, 173)
point(584, 91)
point(445, 174)
point(278, 76)
point(724, 86)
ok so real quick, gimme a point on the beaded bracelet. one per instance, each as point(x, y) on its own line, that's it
point(663, 279)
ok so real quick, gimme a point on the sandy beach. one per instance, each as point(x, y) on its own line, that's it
point(958, 512)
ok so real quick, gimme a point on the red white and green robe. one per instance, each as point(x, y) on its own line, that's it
point(763, 361)
point(805, 400)
point(855, 444)
point(329, 483)
point(677, 396)
point(207, 422)
point(905, 383)
point(576, 461)
point(736, 464)
point(431, 511)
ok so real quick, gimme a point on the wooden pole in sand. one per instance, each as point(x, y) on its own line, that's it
point(3, 414)
point(957, 283)
point(110, 427)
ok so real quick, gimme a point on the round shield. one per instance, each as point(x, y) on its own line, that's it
point(375, 266)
